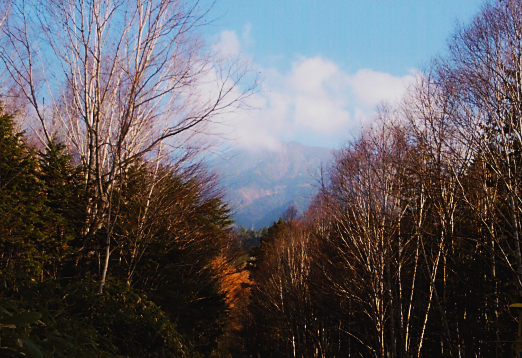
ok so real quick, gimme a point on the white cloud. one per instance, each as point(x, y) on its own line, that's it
point(321, 115)
point(246, 35)
point(228, 44)
point(313, 88)
point(312, 75)
point(315, 99)
point(371, 87)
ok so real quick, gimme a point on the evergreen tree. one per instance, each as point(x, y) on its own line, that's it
point(64, 202)
point(21, 204)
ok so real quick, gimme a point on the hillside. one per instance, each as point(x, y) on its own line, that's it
point(261, 185)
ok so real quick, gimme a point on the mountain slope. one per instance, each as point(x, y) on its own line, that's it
point(261, 185)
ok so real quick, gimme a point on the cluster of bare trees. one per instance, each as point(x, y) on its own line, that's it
point(412, 248)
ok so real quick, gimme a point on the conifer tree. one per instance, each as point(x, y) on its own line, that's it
point(64, 203)
point(21, 202)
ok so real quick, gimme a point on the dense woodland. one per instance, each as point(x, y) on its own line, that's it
point(412, 247)
point(115, 241)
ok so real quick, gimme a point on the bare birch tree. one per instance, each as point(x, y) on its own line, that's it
point(482, 76)
point(373, 254)
point(442, 163)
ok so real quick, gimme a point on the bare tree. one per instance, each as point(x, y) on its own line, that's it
point(482, 77)
point(284, 286)
point(116, 79)
point(372, 253)
point(443, 161)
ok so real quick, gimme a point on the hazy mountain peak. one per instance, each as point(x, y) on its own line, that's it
point(260, 185)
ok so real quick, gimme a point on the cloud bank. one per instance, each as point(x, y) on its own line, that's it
point(315, 102)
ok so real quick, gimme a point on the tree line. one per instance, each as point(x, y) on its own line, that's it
point(412, 246)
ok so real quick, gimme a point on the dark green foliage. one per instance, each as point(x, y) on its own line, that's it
point(250, 238)
point(21, 205)
point(267, 241)
point(64, 204)
point(58, 332)
point(40, 204)
point(134, 325)
point(63, 189)
point(77, 322)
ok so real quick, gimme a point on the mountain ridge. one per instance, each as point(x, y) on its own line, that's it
point(260, 185)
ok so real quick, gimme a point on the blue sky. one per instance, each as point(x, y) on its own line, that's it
point(326, 64)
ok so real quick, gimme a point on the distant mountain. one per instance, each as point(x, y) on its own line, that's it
point(261, 185)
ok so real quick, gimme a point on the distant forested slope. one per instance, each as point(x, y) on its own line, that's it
point(261, 185)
